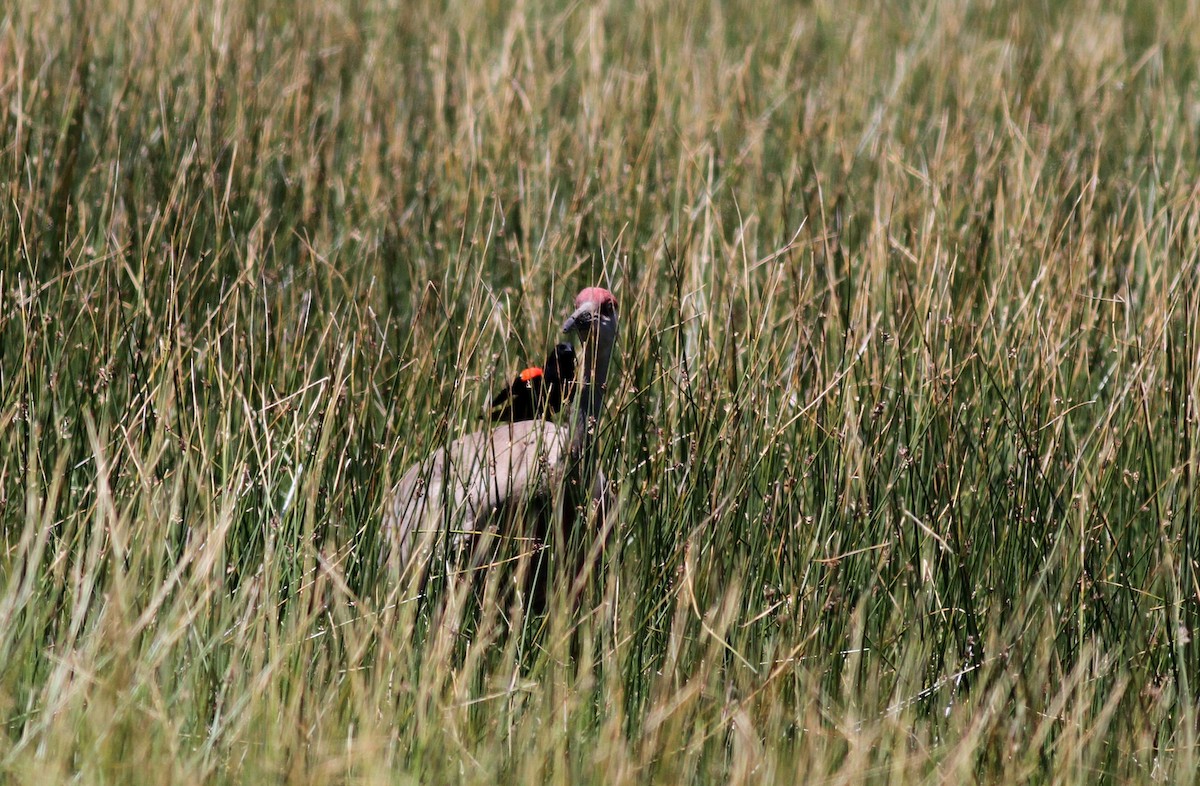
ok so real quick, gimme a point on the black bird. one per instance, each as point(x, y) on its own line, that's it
point(537, 391)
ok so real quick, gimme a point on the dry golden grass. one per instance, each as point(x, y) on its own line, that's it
point(904, 430)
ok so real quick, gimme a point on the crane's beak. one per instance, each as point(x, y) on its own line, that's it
point(580, 320)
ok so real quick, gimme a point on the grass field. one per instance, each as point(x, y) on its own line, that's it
point(905, 425)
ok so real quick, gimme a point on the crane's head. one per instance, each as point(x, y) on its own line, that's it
point(595, 315)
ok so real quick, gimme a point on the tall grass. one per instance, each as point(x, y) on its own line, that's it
point(904, 429)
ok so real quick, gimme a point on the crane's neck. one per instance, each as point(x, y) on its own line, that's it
point(597, 352)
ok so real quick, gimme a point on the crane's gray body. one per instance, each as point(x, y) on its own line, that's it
point(472, 485)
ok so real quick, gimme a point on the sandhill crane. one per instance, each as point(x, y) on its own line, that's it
point(523, 481)
point(538, 391)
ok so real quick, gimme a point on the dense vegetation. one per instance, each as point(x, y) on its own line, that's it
point(904, 428)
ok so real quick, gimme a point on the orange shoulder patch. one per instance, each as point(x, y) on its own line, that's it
point(530, 373)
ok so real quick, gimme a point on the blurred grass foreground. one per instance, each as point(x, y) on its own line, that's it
point(903, 430)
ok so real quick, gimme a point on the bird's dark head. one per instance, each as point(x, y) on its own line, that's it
point(560, 363)
point(595, 313)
